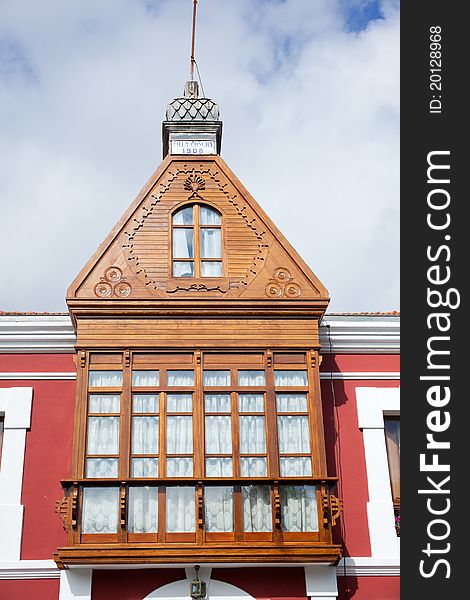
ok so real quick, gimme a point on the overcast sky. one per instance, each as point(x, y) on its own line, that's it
point(309, 96)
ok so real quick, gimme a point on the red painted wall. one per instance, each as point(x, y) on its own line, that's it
point(369, 588)
point(28, 589)
point(131, 584)
point(36, 363)
point(266, 582)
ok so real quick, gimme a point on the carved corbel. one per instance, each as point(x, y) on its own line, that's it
point(127, 358)
point(74, 506)
point(82, 358)
point(331, 506)
point(200, 505)
point(269, 358)
point(62, 508)
point(277, 505)
point(122, 505)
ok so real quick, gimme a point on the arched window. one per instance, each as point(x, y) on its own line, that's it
point(196, 242)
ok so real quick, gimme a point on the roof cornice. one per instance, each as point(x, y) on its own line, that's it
point(351, 334)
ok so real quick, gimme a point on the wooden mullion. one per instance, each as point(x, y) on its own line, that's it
point(272, 444)
point(125, 418)
point(162, 437)
point(81, 420)
point(319, 468)
point(236, 468)
point(161, 513)
point(197, 241)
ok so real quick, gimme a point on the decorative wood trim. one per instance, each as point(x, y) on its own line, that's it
point(282, 285)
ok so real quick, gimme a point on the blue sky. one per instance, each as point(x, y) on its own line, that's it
point(309, 96)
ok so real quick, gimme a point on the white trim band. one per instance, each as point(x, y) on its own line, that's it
point(366, 566)
point(30, 376)
point(29, 569)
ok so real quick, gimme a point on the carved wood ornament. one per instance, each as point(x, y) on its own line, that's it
point(282, 285)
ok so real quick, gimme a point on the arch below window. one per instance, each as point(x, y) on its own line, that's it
point(216, 590)
point(196, 242)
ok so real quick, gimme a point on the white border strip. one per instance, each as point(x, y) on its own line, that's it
point(29, 569)
point(366, 375)
point(366, 566)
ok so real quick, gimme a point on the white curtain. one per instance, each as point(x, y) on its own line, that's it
point(144, 467)
point(249, 378)
point(179, 435)
point(211, 268)
point(218, 467)
point(179, 467)
point(218, 435)
point(105, 378)
point(295, 466)
point(253, 403)
point(291, 402)
point(293, 434)
point(257, 511)
point(183, 269)
point(100, 510)
point(252, 435)
point(145, 378)
point(217, 403)
point(211, 243)
point(299, 508)
point(103, 403)
point(217, 378)
point(184, 216)
point(290, 378)
point(102, 467)
point(183, 243)
point(180, 509)
point(144, 435)
point(180, 378)
point(103, 435)
point(209, 216)
point(142, 516)
point(253, 466)
point(179, 403)
point(218, 506)
point(145, 403)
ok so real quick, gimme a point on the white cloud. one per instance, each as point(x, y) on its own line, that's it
point(310, 116)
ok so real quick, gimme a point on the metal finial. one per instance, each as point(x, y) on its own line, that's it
point(193, 39)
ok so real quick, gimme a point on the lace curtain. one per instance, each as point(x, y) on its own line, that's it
point(253, 466)
point(217, 403)
point(145, 435)
point(252, 435)
point(294, 435)
point(217, 378)
point(291, 402)
point(144, 467)
point(179, 403)
point(100, 510)
point(290, 378)
point(145, 378)
point(102, 467)
point(218, 467)
point(180, 378)
point(103, 403)
point(103, 435)
point(299, 508)
point(145, 403)
point(142, 509)
point(218, 506)
point(252, 403)
point(180, 509)
point(249, 378)
point(179, 435)
point(257, 512)
point(105, 379)
point(218, 435)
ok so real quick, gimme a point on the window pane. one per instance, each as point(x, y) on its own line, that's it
point(251, 402)
point(295, 466)
point(252, 435)
point(217, 402)
point(144, 467)
point(102, 467)
point(218, 467)
point(392, 439)
point(214, 378)
point(208, 216)
point(179, 435)
point(142, 514)
point(299, 508)
point(103, 435)
point(211, 269)
point(183, 243)
point(293, 434)
point(180, 378)
point(211, 243)
point(180, 509)
point(100, 510)
point(184, 216)
point(257, 511)
point(105, 378)
point(103, 403)
point(291, 402)
point(290, 378)
point(179, 403)
point(145, 378)
point(218, 505)
point(179, 467)
point(183, 269)
point(253, 466)
point(145, 435)
point(218, 435)
point(251, 378)
point(145, 403)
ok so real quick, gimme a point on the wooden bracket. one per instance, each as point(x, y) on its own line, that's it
point(127, 358)
point(336, 506)
point(62, 507)
point(269, 359)
point(331, 506)
point(200, 505)
point(82, 358)
point(277, 505)
point(198, 357)
point(122, 505)
point(74, 506)
point(311, 357)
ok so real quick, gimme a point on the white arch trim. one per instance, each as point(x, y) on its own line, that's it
point(216, 590)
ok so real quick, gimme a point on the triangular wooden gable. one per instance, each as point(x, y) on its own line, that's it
point(134, 262)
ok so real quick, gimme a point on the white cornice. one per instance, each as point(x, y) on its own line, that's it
point(29, 569)
point(367, 566)
point(348, 334)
